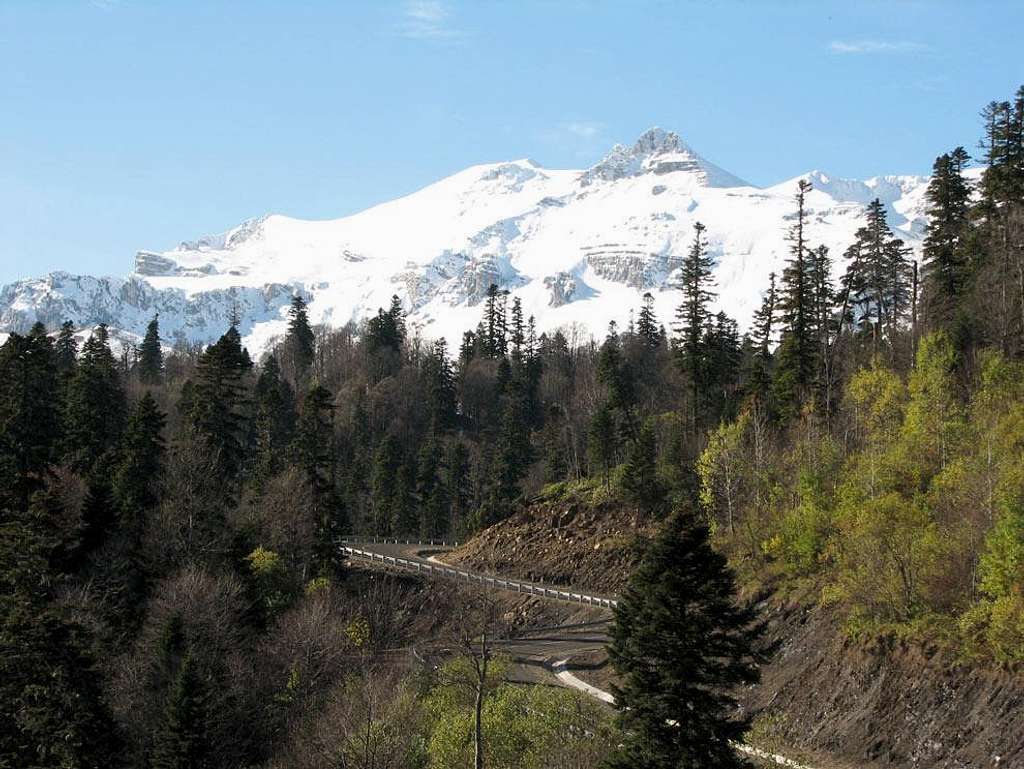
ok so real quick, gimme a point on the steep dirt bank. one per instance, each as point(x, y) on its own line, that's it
point(562, 543)
point(878, 704)
point(885, 703)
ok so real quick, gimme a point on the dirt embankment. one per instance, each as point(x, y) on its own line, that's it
point(886, 704)
point(561, 543)
point(883, 704)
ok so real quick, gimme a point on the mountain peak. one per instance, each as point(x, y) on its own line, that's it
point(660, 152)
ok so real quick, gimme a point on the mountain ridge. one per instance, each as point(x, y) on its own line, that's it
point(578, 247)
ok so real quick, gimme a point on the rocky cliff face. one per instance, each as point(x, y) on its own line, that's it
point(577, 247)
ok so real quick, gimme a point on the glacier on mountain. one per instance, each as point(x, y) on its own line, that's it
point(578, 247)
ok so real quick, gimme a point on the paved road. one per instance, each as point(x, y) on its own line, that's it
point(551, 648)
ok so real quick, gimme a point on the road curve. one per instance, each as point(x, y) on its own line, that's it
point(551, 647)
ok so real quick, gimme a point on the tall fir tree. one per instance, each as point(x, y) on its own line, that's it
point(136, 482)
point(946, 268)
point(30, 426)
point(762, 332)
point(796, 359)
point(681, 646)
point(219, 403)
point(313, 453)
point(696, 279)
point(181, 741)
point(300, 342)
point(151, 356)
point(274, 402)
point(95, 407)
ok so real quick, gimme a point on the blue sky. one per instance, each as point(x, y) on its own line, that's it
point(127, 124)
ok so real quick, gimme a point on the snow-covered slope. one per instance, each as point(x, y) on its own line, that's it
point(576, 246)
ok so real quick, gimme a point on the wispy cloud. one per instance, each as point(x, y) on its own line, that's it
point(428, 20)
point(876, 46)
point(581, 138)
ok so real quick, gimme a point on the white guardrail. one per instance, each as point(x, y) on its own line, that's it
point(441, 570)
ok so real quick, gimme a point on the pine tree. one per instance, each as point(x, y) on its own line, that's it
point(275, 419)
point(602, 441)
point(456, 479)
point(681, 645)
point(300, 341)
point(640, 480)
point(796, 360)
point(95, 408)
point(136, 481)
point(29, 416)
point(692, 316)
point(313, 453)
point(762, 336)
point(647, 327)
point(440, 388)
point(945, 261)
point(51, 702)
point(66, 349)
point(219, 401)
point(517, 332)
point(151, 356)
point(181, 742)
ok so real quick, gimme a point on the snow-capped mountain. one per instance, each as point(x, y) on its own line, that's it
point(577, 246)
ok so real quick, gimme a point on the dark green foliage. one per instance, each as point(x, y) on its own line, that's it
point(51, 706)
point(681, 645)
point(29, 416)
point(313, 452)
point(440, 388)
point(946, 269)
point(181, 742)
point(696, 280)
point(66, 348)
point(151, 357)
point(300, 343)
point(796, 360)
point(95, 407)
point(219, 401)
point(603, 441)
point(136, 483)
point(762, 337)
point(275, 419)
point(640, 481)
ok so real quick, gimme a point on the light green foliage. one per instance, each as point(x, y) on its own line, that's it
point(271, 579)
point(525, 727)
point(911, 517)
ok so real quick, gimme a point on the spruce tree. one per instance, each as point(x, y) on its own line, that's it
point(274, 403)
point(151, 356)
point(602, 441)
point(219, 402)
point(313, 453)
point(640, 480)
point(945, 274)
point(692, 316)
point(647, 327)
point(30, 426)
point(95, 408)
point(762, 328)
point(66, 349)
point(796, 359)
point(181, 741)
point(300, 341)
point(681, 645)
point(137, 478)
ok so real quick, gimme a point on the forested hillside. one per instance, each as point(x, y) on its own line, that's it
point(169, 519)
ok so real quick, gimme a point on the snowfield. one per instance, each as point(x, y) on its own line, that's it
point(577, 246)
